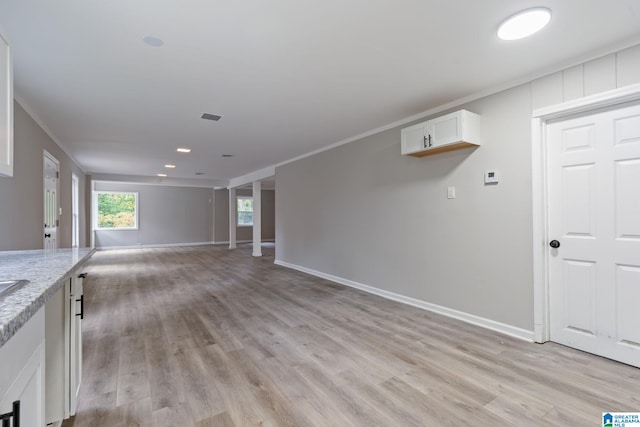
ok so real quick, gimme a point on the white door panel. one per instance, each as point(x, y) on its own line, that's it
point(627, 203)
point(594, 212)
point(628, 291)
point(51, 173)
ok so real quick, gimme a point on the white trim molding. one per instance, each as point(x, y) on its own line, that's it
point(503, 328)
point(226, 242)
point(216, 184)
point(249, 178)
point(540, 117)
point(157, 245)
point(590, 103)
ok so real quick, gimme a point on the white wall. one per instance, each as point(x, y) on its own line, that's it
point(167, 216)
point(366, 214)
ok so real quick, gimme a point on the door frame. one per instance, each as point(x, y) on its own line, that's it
point(540, 117)
point(46, 155)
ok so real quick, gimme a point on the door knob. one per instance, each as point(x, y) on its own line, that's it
point(554, 244)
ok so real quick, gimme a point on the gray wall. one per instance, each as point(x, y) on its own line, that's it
point(268, 230)
point(365, 213)
point(221, 217)
point(167, 215)
point(21, 210)
point(268, 207)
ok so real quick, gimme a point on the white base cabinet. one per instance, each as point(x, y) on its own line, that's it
point(446, 133)
point(64, 350)
point(22, 372)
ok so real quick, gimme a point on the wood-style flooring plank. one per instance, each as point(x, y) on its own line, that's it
point(206, 336)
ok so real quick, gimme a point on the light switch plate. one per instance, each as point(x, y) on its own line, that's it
point(451, 192)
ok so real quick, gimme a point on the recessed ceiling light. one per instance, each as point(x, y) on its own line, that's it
point(213, 117)
point(170, 166)
point(227, 155)
point(524, 23)
point(161, 174)
point(152, 41)
point(183, 150)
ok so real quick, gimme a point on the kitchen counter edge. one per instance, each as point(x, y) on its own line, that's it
point(18, 307)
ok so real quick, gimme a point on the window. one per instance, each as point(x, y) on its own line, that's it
point(245, 210)
point(116, 210)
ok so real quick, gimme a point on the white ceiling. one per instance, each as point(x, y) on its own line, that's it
point(288, 76)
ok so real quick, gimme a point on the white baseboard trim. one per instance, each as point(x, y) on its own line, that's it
point(226, 242)
point(158, 245)
point(513, 331)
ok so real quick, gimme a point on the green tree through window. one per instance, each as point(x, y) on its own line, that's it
point(245, 210)
point(117, 210)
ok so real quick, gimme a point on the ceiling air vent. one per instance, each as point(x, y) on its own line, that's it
point(213, 117)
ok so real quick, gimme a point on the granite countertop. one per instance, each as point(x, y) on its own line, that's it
point(46, 269)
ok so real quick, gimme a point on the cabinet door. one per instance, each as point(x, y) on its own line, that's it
point(28, 388)
point(6, 109)
point(22, 372)
point(446, 129)
point(56, 343)
point(413, 138)
point(75, 350)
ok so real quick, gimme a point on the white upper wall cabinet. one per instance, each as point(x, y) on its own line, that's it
point(450, 132)
point(6, 108)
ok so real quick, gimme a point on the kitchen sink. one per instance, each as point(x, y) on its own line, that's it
point(7, 286)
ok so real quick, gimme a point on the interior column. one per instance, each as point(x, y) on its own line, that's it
point(257, 218)
point(233, 212)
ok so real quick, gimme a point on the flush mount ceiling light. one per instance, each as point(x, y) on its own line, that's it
point(152, 41)
point(170, 166)
point(213, 117)
point(183, 150)
point(524, 23)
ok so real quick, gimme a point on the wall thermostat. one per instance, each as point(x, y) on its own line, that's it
point(491, 177)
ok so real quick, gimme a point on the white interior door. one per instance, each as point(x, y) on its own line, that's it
point(51, 174)
point(594, 215)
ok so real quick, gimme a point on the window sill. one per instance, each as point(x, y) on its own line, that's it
point(116, 229)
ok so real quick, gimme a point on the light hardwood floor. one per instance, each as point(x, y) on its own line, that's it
point(204, 336)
